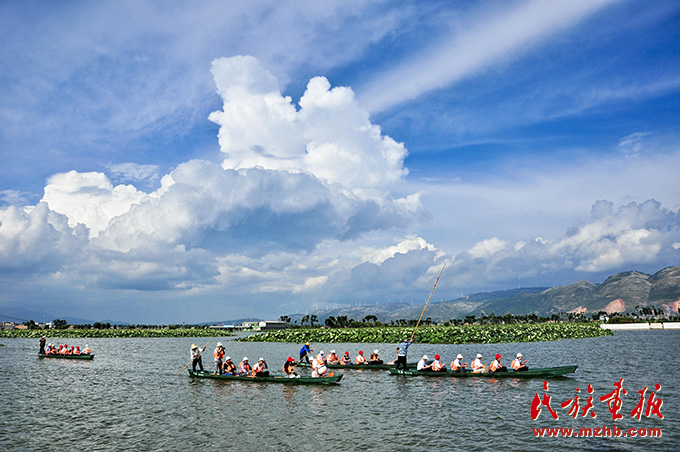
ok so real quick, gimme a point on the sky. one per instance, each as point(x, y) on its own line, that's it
point(167, 162)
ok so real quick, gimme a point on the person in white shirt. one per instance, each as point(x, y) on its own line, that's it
point(423, 366)
point(458, 366)
point(477, 365)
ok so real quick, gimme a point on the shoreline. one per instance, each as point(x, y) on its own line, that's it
point(641, 326)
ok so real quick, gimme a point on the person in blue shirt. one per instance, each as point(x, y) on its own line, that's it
point(304, 352)
point(401, 354)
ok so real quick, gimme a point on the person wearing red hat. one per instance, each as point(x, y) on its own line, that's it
point(289, 368)
point(346, 359)
point(437, 365)
point(360, 359)
point(496, 365)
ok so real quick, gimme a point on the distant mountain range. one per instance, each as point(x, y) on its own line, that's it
point(620, 292)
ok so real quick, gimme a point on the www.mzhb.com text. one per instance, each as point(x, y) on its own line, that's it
point(597, 432)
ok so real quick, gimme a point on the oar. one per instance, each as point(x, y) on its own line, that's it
point(428, 302)
point(305, 356)
point(199, 354)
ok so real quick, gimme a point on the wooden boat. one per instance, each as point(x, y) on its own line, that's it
point(535, 372)
point(326, 380)
point(361, 366)
point(42, 355)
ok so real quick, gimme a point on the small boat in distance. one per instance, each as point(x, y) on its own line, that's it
point(536, 372)
point(329, 379)
point(43, 355)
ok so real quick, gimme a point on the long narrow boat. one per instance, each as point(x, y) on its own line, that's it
point(361, 366)
point(330, 379)
point(536, 372)
point(42, 355)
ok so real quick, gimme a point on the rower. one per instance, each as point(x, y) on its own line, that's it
point(360, 359)
point(42, 342)
point(289, 368)
point(477, 365)
point(437, 365)
point(458, 366)
point(496, 365)
point(260, 369)
point(333, 358)
point(518, 365)
point(244, 368)
point(196, 359)
point(346, 359)
point(374, 358)
point(423, 366)
point(229, 368)
point(401, 353)
point(304, 352)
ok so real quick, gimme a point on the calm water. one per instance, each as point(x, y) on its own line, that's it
point(129, 398)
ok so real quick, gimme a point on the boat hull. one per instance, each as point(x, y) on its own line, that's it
point(42, 355)
point(361, 366)
point(332, 379)
point(542, 372)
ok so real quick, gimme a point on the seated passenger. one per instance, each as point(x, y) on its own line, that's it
point(477, 365)
point(518, 365)
point(458, 366)
point(333, 358)
point(437, 366)
point(260, 369)
point(321, 357)
point(346, 359)
point(228, 367)
point(423, 366)
point(496, 365)
point(289, 368)
point(360, 359)
point(86, 350)
point(395, 358)
point(77, 351)
point(374, 358)
point(244, 368)
point(319, 368)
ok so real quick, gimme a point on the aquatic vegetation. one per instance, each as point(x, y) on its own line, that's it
point(117, 332)
point(466, 334)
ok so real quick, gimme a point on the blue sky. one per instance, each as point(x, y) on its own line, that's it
point(165, 162)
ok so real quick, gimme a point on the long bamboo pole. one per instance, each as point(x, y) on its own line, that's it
point(428, 302)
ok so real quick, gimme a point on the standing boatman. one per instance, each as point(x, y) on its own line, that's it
point(196, 359)
point(304, 352)
point(401, 354)
point(42, 345)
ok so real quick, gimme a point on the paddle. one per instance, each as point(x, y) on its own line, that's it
point(199, 354)
point(428, 302)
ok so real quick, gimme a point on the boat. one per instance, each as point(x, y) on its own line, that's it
point(43, 355)
point(534, 372)
point(360, 366)
point(326, 380)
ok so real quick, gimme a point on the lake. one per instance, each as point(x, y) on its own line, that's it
point(130, 398)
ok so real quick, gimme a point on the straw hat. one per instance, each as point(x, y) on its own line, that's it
point(194, 346)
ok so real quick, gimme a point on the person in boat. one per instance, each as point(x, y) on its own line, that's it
point(374, 358)
point(333, 358)
point(360, 359)
point(477, 365)
point(63, 349)
point(423, 366)
point(304, 352)
point(228, 367)
point(77, 350)
point(218, 355)
point(395, 358)
point(260, 369)
point(401, 353)
point(43, 341)
point(457, 365)
point(438, 366)
point(244, 368)
point(319, 368)
point(496, 365)
point(518, 365)
point(86, 350)
point(196, 359)
point(289, 368)
point(346, 359)
point(321, 357)
point(70, 350)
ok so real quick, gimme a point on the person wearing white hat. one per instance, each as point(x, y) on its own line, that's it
point(457, 365)
point(333, 358)
point(321, 357)
point(196, 359)
point(319, 368)
point(244, 368)
point(518, 365)
point(218, 355)
point(374, 358)
point(477, 365)
point(260, 369)
point(423, 366)
point(229, 368)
